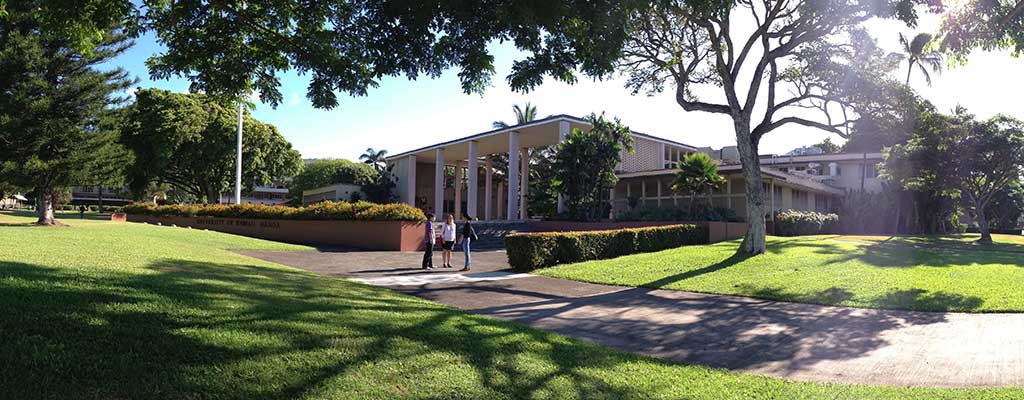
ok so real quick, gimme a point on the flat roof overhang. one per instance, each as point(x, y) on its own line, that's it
point(540, 133)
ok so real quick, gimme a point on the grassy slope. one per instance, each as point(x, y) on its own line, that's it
point(103, 310)
point(915, 273)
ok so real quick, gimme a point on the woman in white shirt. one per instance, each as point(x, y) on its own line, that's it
point(448, 236)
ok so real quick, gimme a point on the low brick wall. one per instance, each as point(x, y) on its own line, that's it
point(369, 235)
point(717, 231)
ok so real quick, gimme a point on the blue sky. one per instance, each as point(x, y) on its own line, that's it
point(402, 114)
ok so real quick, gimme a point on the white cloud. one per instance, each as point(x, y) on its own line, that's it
point(254, 97)
point(131, 91)
point(295, 99)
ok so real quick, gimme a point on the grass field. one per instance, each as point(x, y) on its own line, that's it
point(101, 310)
point(915, 273)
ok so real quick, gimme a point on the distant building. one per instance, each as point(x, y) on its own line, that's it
point(93, 195)
point(336, 192)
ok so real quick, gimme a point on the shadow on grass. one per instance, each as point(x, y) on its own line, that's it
point(89, 215)
point(206, 330)
point(903, 299)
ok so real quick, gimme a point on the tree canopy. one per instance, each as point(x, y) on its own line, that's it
point(227, 48)
point(189, 141)
point(584, 165)
point(810, 61)
point(326, 172)
point(54, 100)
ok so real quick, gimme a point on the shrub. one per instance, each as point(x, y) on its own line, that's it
point(363, 211)
point(798, 223)
point(529, 251)
point(655, 213)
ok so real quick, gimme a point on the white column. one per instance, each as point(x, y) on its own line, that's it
point(458, 190)
point(410, 180)
point(524, 177)
point(728, 193)
point(513, 175)
point(661, 155)
point(499, 203)
point(643, 192)
point(658, 181)
point(563, 132)
point(611, 203)
point(488, 180)
point(471, 184)
point(439, 184)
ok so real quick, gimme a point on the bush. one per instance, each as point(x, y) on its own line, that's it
point(529, 251)
point(362, 211)
point(798, 223)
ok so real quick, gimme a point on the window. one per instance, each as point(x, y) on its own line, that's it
point(872, 170)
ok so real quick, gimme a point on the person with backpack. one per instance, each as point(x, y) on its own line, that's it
point(431, 238)
point(468, 236)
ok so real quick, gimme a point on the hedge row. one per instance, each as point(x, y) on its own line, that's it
point(359, 211)
point(529, 251)
point(799, 223)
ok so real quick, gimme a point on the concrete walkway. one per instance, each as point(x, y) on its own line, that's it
point(789, 340)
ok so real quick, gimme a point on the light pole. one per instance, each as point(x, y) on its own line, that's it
point(238, 159)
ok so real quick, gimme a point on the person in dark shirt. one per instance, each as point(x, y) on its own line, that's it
point(468, 235)
point(428, 252)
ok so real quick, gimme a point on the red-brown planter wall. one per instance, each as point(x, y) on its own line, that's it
point(717, 231)
point(370, 235)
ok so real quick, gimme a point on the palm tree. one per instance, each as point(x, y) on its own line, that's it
point(919, 52)
point(523, 115)
point(697, 174)
point(376, 158)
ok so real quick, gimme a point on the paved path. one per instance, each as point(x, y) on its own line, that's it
point(790, 340)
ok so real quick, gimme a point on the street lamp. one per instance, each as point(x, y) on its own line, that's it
point(238, 159)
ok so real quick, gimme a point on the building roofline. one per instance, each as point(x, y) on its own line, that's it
point(732, 168)
point(777, 159)
point(548, 119)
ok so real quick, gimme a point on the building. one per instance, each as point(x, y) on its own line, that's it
point(271, 195)
point(12, 202)
point(645, 175)
point(94, 195)
point(336, 192)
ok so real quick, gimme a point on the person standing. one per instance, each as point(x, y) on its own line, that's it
point(468, 236)
point(81, 211)
point(448, 236)
point(428, 252)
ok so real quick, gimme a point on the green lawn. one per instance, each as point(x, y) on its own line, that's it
point(102, 310)
point(915, 273)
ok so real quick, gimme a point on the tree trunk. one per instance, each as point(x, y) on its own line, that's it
point(899, 207)
point(44, 207)
point(99, 199)
point(982, 220)
point(754, 240)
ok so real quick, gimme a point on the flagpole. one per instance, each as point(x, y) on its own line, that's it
point(238, 159)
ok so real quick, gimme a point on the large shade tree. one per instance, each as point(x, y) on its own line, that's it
point(53, 100)
point(766, 65)
point(228, 48)
point(986, 159)
point(188, 141)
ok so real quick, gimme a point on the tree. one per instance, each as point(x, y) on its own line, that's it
point(227, 48)
point(326, 172)
point(985, 24)
point(697, 173)
point(918, 52)
point(53, 100)
point(827, 146)
point(525, 114)
point(585, 164)
point(816, 48)
point(987, 157)
point(375, 158)
point(189, 142)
